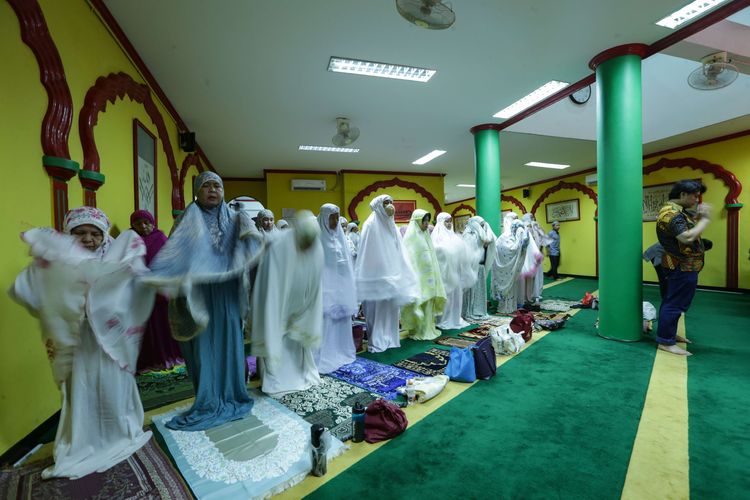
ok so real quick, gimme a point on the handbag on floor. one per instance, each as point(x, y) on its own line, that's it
point(522, 323)
point(505, 341)
point(485, 363)
point(461, 365)
point(383, 420)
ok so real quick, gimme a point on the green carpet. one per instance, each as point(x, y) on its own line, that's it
point(574, 289)
point(558, 421)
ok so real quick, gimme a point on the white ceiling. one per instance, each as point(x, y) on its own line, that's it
point(249, 77)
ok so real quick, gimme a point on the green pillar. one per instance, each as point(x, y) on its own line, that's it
point(619, 151)
point(487, 174)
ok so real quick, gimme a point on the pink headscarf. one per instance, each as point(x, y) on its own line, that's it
point(154, 240)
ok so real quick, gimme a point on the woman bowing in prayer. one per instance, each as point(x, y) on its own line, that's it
point(385, 280)
point(339, 294)
point(509, 261)
point(204, 267)
point(82, 286)
point(159, 350)
point(455, 269)
point(418, 318)
point(288, 309)
point(480, 239)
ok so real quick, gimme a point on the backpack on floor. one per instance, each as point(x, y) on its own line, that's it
point(523, 323)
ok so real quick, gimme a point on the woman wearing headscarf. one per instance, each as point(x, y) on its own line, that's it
point(455, 269)
point(282, 224)
point(352, 235)
point(506, 272)
point(287, 307)
point(480, 240)
point(385, 281)
point(339, 294)
point(532, 272)
point(159, 350)
point(204, 267)
point(418, 318)
point(82, 286)
point(264, 223)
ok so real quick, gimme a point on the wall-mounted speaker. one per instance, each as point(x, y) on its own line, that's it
point(527, 193)
point(187, 142)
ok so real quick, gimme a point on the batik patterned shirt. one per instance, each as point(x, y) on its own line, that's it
point(673, 221)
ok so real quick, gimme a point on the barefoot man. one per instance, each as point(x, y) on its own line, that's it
point(681, 222)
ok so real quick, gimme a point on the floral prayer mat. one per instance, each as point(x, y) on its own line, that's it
point(557, 305)
point(477, 333)
point(147, 473)
point(374, 377)
point(455, 342)
point(496, 321)
point(428, 363)
point(329, 404)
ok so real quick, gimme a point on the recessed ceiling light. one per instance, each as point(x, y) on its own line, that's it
point(382, 70)
point(466, 185)
point(525, 102)
point(428, 157)
point(329, 149)
point(558, 166)
point(688, 12)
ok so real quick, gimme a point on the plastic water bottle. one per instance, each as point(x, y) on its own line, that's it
point(319, 461)
point(358, 422)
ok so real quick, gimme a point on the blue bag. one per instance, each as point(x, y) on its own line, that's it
point(461, 365)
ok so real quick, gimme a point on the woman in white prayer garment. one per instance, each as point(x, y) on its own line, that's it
point(419, 318)
point(532, 272)
point(287, 308)
point(385, 280)
point(506, 271)
point(82, 286)
point(480, 240)
point(352, 234)
point(455, 269)
point(339, 294)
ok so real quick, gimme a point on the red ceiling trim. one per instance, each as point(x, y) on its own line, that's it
point(371, 188)
point(468, 208)
point(637, 49)
point(577, 186)
point(699, 144)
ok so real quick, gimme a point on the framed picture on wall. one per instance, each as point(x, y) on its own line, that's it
point(654, 197)
point(563, 211)
point(404, 208)
point(144, 168)
point(459, 223)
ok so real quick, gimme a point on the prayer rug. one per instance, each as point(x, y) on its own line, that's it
point(428, 363)
point(147, 473)
point(455, 342)
point(257, 456)
point(164, 387)
point(374, 377)
point(330, 403)
point(477, 333)
point(496, 320)
point(557, 305)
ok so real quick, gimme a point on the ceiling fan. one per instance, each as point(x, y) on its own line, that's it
point(716, 72)
point(430, 14)
point(345, 133)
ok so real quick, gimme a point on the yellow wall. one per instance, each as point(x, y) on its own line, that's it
point(27, 394)
point(255, 188)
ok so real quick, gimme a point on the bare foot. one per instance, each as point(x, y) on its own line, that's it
point(679, 338)
point(674, 350)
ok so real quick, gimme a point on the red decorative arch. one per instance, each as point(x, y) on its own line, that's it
point(463, 206)
point(731, 201)
point(109, 88)
point(191, 160)
point(577, 186)
point(515, 201)
point(368, 190)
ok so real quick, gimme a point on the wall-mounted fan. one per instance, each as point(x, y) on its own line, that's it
point(345, 133)
point(430, 14)
point(716, 72)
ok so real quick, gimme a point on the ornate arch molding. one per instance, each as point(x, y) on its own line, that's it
point(191, 160)
point(577, 186)
point(368, 190)
point(731, 203)
point(463, 206)
point(59, 115)
point(514, 201)
point(109, 88)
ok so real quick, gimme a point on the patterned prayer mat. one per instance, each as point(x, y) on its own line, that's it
point(496, 321)
point(455, 342)
point(257, 456)
point(164, 387)
point(557, 305)
point(429, 363)
point(329, 404)
point(146, 474)
point(373, 376)
point(477, 333)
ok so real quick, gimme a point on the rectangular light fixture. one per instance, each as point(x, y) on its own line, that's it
point(329, 149)
point(428, 157)
point(688, 12)
point(525, 102)
point(382, 70)
point(557, 166)
point(466, 185)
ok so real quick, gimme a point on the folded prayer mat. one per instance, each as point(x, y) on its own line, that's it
point(431, 362)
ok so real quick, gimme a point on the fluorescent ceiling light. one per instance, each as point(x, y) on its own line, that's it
point(466, 185)
point(383, 70)
point(688, 12)
point(557, 166)
point(329, 149)
point(539, 94)
point(428, 157)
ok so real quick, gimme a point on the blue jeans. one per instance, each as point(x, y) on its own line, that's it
point(681, 287)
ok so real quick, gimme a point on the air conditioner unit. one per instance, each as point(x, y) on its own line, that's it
point(591, 180)
point(308, 185)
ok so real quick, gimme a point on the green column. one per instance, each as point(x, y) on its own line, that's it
point(487, 175)
point(619, 151)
